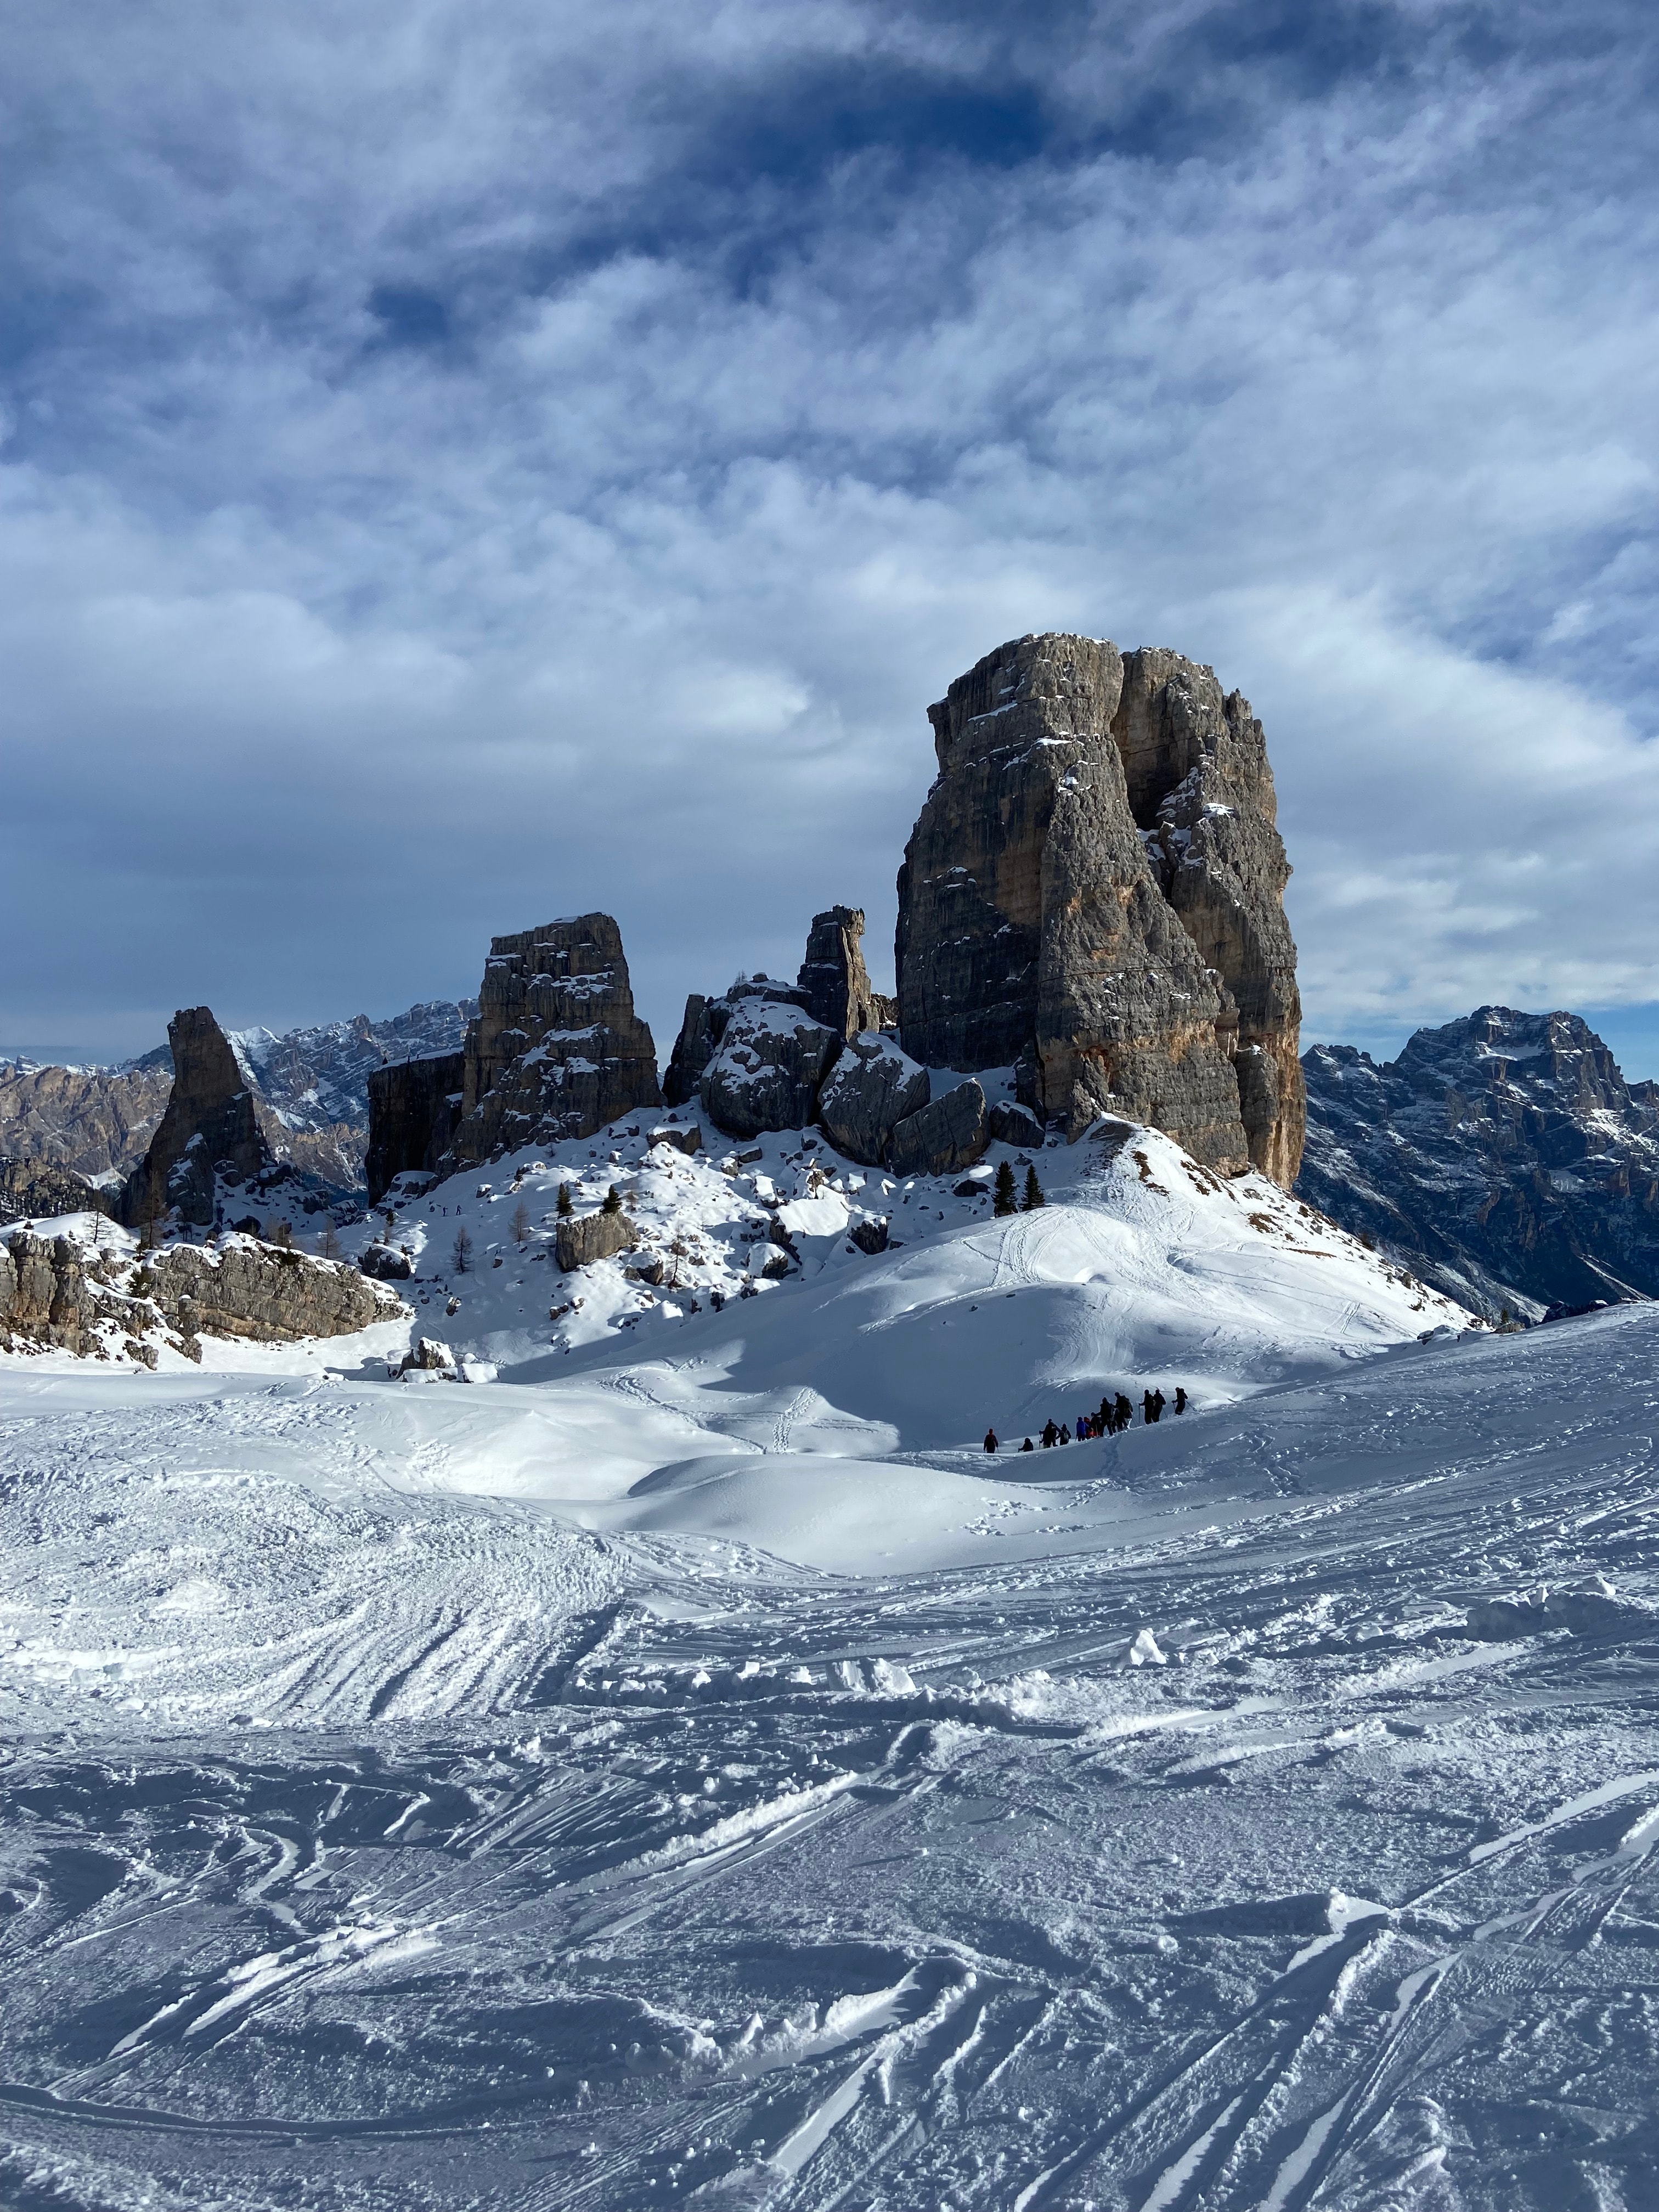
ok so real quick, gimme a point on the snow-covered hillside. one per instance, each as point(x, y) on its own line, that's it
point(690, 1768)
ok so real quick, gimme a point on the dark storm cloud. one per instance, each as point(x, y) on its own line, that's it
point(466, 466)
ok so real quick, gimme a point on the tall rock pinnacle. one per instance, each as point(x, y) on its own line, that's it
point(1094, 892)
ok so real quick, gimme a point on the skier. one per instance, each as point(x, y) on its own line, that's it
point(1050, 1434)
point(1149, 1412)
point(1126, 1413)
point(1158, 1405)
point(1181, 1399)
point(1065, 1434)
point(1027, 1445)
point(990, 1440)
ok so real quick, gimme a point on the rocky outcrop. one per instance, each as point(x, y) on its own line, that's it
point(54, 1292)
point(772, 1058)
point(1503, 1158)
point(556, 1050)
point(832, 976)
point(209, 1137)
point(30, 1190)
point(1014, 1125)
point(688, 1140)
point(871, 1087)
point(950, 1132)
point(1093, 894)
point(413, 1109)
point(592, 1236)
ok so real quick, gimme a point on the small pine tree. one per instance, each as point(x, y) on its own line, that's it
point(463, 1250)
point(1004, 1198)
point(1034, 1197)
point(567, 1205)
point(520, 1222)
point(613, 1201)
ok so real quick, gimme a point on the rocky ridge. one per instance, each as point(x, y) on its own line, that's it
point(1503, 1157)
point(1093, 892)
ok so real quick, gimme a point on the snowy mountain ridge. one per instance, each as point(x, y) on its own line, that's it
point(1503, 1157)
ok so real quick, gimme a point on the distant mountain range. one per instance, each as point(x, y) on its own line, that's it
point(311, 1086)
point(1503, 1157)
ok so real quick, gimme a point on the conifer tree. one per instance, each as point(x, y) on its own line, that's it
point(613, 1201)
point(1004, 1198)
point(1034, 1197)
point(567, 1205)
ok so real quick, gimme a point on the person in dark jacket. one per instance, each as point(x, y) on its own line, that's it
point(1050, 1434)
point(1181, 1399)
point(1150, 1407)
point(1028, 1445)
point(1065, 1434)
point(1126, 1413)
point(990, 1440)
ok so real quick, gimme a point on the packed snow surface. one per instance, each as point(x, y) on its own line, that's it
point(690, 1769)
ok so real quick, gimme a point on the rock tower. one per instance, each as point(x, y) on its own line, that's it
point(1094, 892)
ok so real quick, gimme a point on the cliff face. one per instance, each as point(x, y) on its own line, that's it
point(555, 1050)
point(92, 1120)
point(1094, 892)
point(209, 1132)
point(1503, 1157)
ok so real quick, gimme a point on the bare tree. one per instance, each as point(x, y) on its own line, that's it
point(520, 1222)
point(463, 1249)
point(329, 1244)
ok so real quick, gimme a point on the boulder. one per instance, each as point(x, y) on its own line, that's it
point(1093, 893)
point(872, 1086)
point(209, 1135)
point(386, 1265)
point(413, 1108)
point(869, 1236)
point(772, 1059)
point(833, 976)
point(428, 1355)
point(592, 1236)
point(555, 1050)
point(1013, 1125)
point(687, 1141)
point(950, 1133)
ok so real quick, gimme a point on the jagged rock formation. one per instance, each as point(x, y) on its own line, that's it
point(1502, 1157)
point(209, 1134)
point(310, 1090)
point(703, 1031)
point(872, 1088)
point(950, 1132)
point(30, 1191)
point(833, 978)
point(54, 1292)
point(555, 1050)
point(1094, 893)
point(413, 1108)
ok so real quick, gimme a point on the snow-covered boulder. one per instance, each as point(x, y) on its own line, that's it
point(428, 1355)
point(870, 1088)
point(593, 1236)
point(765, 1075)
point(950, 1133)
point(385, 1264)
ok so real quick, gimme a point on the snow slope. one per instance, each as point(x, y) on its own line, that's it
point(689, 1769)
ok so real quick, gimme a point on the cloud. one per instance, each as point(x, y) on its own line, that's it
point(467, 468)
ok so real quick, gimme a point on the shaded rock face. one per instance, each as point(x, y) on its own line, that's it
point(832, 976)
point(413, 1109)
point(1502, 1157)
point(950, 1133)
point(209, 1135)
point(30, 1190)
point(1094, 893)
point(556, 1050)
point(870, 1088)
point(592, 1236)
point(773, 1057)
point(93, 1120)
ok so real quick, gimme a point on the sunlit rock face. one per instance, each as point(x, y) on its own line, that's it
point(1094, 892)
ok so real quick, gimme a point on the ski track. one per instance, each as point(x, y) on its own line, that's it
point(450, 1856)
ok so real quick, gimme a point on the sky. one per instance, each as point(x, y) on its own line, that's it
point(467, 466)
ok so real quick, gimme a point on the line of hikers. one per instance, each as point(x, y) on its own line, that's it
point(1116, 1413)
